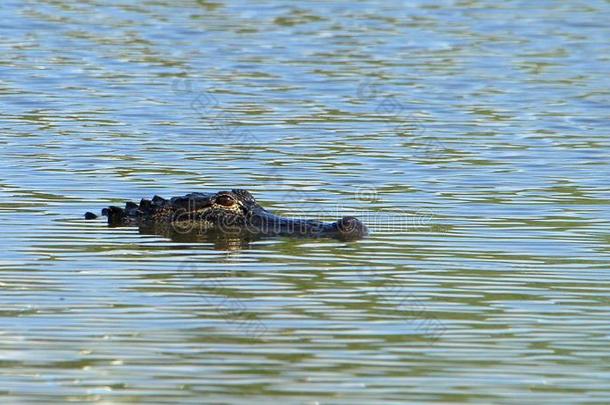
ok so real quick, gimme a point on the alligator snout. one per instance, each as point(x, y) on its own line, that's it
point(351, 228)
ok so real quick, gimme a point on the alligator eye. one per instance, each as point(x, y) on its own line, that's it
point(225, 200)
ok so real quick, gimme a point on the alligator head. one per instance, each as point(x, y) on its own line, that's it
point(230, 212)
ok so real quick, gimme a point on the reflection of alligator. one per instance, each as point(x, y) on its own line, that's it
point(231, 212)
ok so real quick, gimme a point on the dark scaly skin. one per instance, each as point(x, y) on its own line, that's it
point(229, 212)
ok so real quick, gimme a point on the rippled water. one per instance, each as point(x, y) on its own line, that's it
point(471, 136)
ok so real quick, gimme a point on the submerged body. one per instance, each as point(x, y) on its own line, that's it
point(231, 212)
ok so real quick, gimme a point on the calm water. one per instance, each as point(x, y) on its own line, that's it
point(471, 136)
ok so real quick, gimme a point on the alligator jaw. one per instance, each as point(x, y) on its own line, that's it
point(266, 223)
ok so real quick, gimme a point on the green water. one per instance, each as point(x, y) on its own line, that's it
point(471, 136)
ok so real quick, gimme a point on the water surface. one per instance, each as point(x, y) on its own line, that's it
point(471, 136)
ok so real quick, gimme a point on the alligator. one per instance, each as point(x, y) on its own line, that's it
point(234, 212)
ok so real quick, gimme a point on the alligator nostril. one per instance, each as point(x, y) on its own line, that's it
point(351, 228)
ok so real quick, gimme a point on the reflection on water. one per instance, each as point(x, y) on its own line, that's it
point(220, 240)
point(471, 137)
